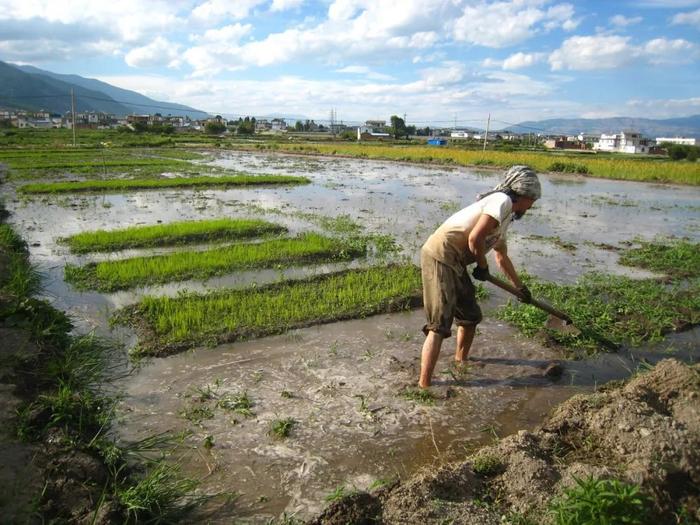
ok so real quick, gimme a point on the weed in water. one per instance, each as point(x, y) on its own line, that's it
point(239, 403)
point(677, 258)
point(339, 493)
point(286, 394)
point(281, 428)
point(601, 501)
point(419, 395)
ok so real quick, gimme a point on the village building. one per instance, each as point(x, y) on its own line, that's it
point(627, 141)
point(685, 141)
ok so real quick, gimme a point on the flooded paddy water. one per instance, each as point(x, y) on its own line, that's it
point(343, 384)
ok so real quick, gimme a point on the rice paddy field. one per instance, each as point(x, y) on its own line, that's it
point(279, 325)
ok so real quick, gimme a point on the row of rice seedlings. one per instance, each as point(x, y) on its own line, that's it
point(170, 234)
point(168, 324)
point(162, 183)
point(676, 258)
point(108, 276)
point(651, 170)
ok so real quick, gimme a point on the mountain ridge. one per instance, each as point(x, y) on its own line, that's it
point(49, 91)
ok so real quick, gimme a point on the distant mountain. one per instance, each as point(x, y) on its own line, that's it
point(22, 90)
point(28, 87)
point(651, 128)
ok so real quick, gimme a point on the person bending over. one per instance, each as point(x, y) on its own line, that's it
point(463, 239)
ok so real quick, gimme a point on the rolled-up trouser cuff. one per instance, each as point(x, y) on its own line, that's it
point(427, 328)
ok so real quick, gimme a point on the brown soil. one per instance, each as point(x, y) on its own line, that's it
point(645, 432)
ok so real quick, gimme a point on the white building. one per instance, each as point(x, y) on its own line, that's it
point(460, 134)
point(677, 140)
point(626, 142)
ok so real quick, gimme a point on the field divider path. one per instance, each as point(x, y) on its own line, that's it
point(109, 276)
point(118, 185)
point(170, 234)
point(169, 324)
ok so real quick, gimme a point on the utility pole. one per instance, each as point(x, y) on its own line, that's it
point(72, 109)
point(486, 135)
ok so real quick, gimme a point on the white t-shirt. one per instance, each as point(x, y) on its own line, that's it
point(449, 243)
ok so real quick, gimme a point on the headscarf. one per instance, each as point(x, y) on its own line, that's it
point(521, 180)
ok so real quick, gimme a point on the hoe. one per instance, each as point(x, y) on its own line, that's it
point(558, 320)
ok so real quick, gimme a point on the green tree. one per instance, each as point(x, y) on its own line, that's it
point(214, 128)
point(398, 127)
point(299, 126)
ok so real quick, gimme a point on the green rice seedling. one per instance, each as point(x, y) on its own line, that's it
point(168, 324)
point(676, 258)
point(196, 412)
point(109, 276)
point(601, 501)
point(183, 232)
point(119, 185)
point(281, 428)
point(340, 492)
point(239, 403)
point(158, 496)
point(419, 395)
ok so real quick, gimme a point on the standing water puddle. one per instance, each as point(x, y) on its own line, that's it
point(343, 384)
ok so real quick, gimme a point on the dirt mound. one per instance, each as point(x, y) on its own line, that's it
point(645, 432)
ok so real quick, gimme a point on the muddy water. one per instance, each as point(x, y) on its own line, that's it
point(342, 383)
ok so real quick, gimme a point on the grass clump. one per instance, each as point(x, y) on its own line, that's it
point(486, 465)
point(568, 167)
point(118, 185)
point(158, 496)
point(168, 324)
point(601, 501)
point(239, 403)
point(282, 428)
point(676, 258)
point(170, 234)
point(108, 276)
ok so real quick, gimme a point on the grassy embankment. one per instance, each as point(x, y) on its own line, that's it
point(121, 274)
point(170, 234)
point(637, 169)
point(170, 324)
point(67, 413)
point(624, 310)
point(147, 184)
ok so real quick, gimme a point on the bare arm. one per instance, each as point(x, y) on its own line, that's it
point(505, 264)
point(477, 238)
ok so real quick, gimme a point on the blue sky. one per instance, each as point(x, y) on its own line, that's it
point(436, 61)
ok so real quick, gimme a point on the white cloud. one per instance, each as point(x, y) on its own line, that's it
point(623, 21)
point(592, 52)
point(521, 60)
point(284, 5)
point(664, 51)
point(216, 10)
point(448, 74)
point(582, 53)
point(664, 108)
point(230, 34)
point(159, 52)
point(692, 18)
point(501, 24)
point(364, 71)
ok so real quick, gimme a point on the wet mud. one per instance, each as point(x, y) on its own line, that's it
point(345, 384)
